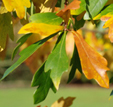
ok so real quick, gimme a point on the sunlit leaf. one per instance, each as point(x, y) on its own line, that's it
point(94, 66)
point(6, 29)
point(25, 54)
point(93, 7)
point(63, 102)
point(57, 62)
point(47, 18)
point(108, 12)
point(18, 5)
point(65, 13)
point(40, 28)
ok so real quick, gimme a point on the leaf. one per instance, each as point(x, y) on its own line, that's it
point(75, 63)
point(93, 7)
point(111, 94)
point(81, 9)
point(40, 28)
point(25, 54)
point(78, 23)
point(44, 5)
point(63, 102)
point(6, 29)
point(93, 64)
point(108, 12)
point(41, 54)
point(3, 53)
point(57, 62)
point(21, 40)
point(47, 18)
point(65, 13)
point(17, 5)
point(3, 9)
point(43, 81)
point(107, 15)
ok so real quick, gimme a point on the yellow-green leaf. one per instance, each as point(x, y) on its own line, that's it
point(3, 9)
point(18, 5)
point(40, 28)
point(6, 29)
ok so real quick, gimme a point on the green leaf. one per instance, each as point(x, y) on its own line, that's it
point(75, 63)
point(31, 10)
point(21, 40)
point(111, 94)
point(57, 62)
point(108, 10)
point(47, 18)
point(82, 8)
point(25, 54)
point(6, 29)
point(78, 24)
point(93, 7)
point(43, 81)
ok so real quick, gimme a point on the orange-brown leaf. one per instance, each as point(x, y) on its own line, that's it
point(94, 66)
point(65, 13)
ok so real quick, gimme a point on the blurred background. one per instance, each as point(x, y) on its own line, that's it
point(15, 89)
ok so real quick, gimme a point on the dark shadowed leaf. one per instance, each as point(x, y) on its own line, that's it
point(43, 81)
point(75, 63)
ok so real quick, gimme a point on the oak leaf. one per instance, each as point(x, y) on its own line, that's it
point(18, 5)
point(65, 13)
point(94, 66)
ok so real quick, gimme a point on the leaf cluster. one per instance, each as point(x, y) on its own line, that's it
point(54, 19)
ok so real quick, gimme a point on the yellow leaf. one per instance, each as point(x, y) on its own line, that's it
point(40, 28)
point(63, 102)
point(18, 5)
point(94, 66)
point(109, 23)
